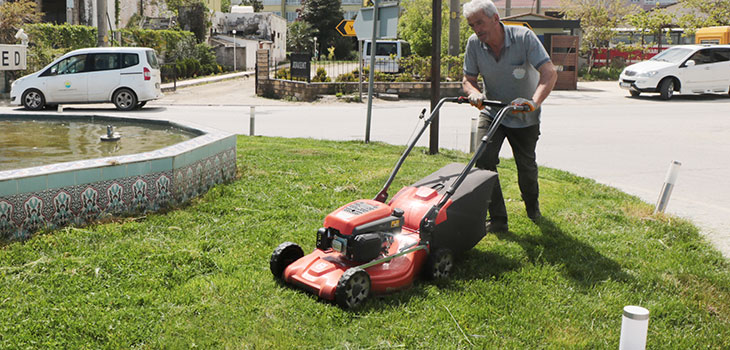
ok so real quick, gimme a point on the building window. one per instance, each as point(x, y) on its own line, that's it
point(272, 2)
point(293, 2)
point(349, 14)
point(278, 13)
point(352, 2)
point(292, 16)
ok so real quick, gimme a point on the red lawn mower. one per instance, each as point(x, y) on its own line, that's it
point(370, 246)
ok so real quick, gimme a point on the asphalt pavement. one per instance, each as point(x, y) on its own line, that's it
point(597, 132)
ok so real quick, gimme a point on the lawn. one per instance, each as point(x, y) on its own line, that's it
point(198, 276)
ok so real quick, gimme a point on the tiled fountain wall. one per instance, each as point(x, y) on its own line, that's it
point(82, 192)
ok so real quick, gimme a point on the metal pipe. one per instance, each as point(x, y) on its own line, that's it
point(668, 186)
point(252, 121)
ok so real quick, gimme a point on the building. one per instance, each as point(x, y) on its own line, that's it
point(85, 11)
point(253, 31)
point(290, 9)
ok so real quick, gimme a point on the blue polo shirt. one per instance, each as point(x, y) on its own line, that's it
point(514, 75)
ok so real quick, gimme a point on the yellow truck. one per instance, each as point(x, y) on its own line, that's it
point(713, 35)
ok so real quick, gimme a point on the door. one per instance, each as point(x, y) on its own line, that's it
point(66, 80)
point(103, 76)
point(699, 78)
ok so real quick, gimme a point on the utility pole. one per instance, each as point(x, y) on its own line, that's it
point(103, 37)
point(454, 19)
point(435, 74)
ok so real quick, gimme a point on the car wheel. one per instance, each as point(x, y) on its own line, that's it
point(666, 88)
point(634, 93)
point(141, 104)
point(125, 99)
point(353, 288)
point(285, 254)
point(33, 100)
point(439, 264)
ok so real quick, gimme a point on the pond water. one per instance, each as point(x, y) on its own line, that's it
point(27, 143)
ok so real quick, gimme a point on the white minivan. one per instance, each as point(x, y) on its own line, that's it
point(387, 54)
point(687, 69)
point(125, 76)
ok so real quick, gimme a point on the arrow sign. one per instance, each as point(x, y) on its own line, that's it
point(345, 28)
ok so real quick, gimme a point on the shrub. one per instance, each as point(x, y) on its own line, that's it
point(321, 76)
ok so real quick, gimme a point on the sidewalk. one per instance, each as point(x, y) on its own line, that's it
point(204, 80)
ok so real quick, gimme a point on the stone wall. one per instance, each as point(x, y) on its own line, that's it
point(303, 91)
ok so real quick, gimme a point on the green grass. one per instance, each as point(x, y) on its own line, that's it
point(199, 276)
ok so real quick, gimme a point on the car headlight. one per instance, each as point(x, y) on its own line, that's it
point(647, 74)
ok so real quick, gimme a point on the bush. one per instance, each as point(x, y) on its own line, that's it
point(347, 77)
point(321, 76)
point(600, 73)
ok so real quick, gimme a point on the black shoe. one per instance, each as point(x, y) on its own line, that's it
point(497, 226)
point(533, 211)
point(535, 216)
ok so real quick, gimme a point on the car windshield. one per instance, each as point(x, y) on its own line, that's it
point(673, 55)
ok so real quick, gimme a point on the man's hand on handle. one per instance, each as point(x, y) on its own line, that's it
point(524, 104)
point(476, 98)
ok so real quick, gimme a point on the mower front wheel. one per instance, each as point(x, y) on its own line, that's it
point(439, 264)
point(285, 254)
point(353, 288)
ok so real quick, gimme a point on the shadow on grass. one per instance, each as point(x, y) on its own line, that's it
point(581, 262)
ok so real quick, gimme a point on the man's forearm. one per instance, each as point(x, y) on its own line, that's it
point(548, 77)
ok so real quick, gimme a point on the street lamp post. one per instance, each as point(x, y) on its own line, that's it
point(234, 50)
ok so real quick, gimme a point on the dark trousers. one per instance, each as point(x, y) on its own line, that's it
point(523, 142)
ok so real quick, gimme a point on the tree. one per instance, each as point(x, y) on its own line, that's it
point(415, 25)
point(13, 15)
point(705, 13)
point(193, 16)
point(300, 37)
point(597, 20)
point(653, 22)
point(226, 6)
point(323, 15)
point(258, 5)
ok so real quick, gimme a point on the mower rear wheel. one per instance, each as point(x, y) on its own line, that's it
point(353, 288)
point(439, 264)
point(285, 254)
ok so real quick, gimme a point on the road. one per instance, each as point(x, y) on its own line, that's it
point(596, 132)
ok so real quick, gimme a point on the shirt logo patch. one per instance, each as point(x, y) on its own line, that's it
point(519, 73)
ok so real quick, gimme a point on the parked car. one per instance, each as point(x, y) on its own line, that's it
point(387, 54)
point(687, 69)
point(125, 76)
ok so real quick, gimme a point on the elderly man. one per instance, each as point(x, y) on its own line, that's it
point(515, 69)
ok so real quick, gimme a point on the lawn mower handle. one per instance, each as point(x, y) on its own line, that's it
point(382, 196)
point(428, 223)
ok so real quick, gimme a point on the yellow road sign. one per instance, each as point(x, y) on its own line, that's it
point(345, 27)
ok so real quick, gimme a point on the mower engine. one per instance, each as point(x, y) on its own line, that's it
point(360, 230)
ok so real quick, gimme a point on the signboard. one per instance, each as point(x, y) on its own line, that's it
point(517, 23)
point(345, 28)
point(301, 65)
point(13, 57)
point(387, 22)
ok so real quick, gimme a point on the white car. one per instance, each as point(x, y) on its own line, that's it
point(687, 69)
point(125, 76)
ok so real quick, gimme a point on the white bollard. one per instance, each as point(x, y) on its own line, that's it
point(634, 327)
point(473, 139)
point(669, 182)
point(252, 121)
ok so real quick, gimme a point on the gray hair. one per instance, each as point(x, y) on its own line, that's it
point(487, 6)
